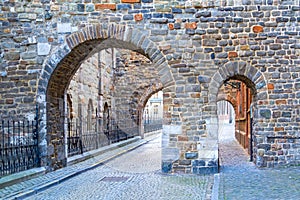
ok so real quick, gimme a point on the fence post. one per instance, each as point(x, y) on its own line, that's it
point(36, 133)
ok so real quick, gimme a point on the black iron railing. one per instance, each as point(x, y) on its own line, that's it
point(18, 146)
point(152, 125)
point(86, 135)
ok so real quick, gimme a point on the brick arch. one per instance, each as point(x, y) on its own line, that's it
point(80, 45)
point(142, 94)
point(238, 70)
point(228, 98)
point(143, 97)
point(152, 89)
point(63, 63)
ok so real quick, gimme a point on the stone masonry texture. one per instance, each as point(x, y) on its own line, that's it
point(192, 48)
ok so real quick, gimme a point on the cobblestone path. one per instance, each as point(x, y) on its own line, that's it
point(242, 180)
point(134, 175)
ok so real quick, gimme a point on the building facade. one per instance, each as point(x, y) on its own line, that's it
point(192, 49)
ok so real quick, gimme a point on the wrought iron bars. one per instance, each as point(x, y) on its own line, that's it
point(152, 125)
point(90, 134)
point(18, 146)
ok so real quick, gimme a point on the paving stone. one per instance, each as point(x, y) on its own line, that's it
point(133, 175)
point(241, 179)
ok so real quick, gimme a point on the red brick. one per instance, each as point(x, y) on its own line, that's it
point(50, 39)
point(9, 101)
point(138, 17)
point(130, 1)
point(171, 26)
point(195, 95)
point(103, 6)
point(258, 29)
point(232, 54)
point(283, 101)
point(192, 25)
point(270, 86)
point(182, 138)
point(279, 129)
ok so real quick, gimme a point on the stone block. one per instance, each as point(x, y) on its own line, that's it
point(103, 6)
point(265, 147)
point(265, 113)
point(130, 1)
point(12, 55)
point(196, 163)
point(203, 79)
point(258, 14)
point(159, 21)
point(258, 29)
point(192, 25)
point(166, 166)
point(205, 170)
point(90, 7)
point(128, 17)
point(43, 49)
point(64, 28)
point(212, 163)
point(210, 42)
point(191, 155)
point(184, 162)
point(222, 55)
point(232, 54)
point(138, 17)
point(28, 55)
point(182, 138)
point(203, 14)
point(286, 114)
point(176, 10)
point(80, 7)
point(124, 6)
point(237, 20)
point(171, 154)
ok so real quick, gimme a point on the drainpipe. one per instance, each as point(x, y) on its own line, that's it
point(251, 134)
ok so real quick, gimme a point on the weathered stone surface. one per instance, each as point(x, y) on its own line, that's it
point(256, 40)
point(43, 49)
point(191, 155)
point(266, 113)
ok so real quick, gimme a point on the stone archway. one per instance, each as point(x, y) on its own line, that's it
point(238, 70)
point(143, 98)
point(64, 62)
point(228, 98)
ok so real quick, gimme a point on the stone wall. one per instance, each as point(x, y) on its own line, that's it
point(194, 46)
point(135, 76)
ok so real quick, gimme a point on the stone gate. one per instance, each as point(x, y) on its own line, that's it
point(195, 46)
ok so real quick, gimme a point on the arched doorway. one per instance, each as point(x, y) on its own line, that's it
point(64, 63)
point(226, 120)
point(238, 75)
point(153, 114)
point(235, 113)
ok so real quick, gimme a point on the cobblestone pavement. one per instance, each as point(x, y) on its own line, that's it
point(134, 175)
point(34, 185)
point(241, 179)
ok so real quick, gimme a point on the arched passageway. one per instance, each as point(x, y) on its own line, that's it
point(235, 114)
point(63, 64)
point(243, 86)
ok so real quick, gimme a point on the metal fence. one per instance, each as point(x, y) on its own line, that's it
point(86, 135)
point(18, 146)
point(152, 125)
